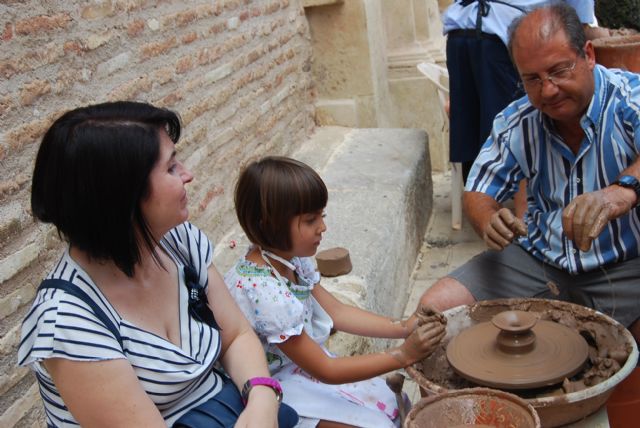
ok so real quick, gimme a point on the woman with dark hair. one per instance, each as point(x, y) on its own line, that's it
point(122, 333)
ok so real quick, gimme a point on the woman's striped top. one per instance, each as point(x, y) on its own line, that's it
point(60, 325)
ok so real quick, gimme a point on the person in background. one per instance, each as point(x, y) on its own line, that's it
point(482, 77)
point(280, 203)
point(575, 138)
point(125, 343)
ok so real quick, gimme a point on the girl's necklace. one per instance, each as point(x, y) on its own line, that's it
point(272, 256)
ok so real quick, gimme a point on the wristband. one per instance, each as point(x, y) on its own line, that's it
point(261, 381)
point(630, 182)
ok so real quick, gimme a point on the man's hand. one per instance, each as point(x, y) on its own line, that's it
point(588, 214)
point(502, 228)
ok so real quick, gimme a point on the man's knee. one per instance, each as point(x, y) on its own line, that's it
point(446, 293)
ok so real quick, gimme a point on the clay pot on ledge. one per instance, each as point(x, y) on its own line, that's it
point(619, 52)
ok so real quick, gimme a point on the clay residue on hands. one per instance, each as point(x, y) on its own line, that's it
point(427, 314)
point(421, 343)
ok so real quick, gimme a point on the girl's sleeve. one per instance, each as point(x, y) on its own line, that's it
point(308, 270)
point(60, 325)
point(273, 311)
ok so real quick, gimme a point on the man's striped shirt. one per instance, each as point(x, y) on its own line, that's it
point(524, 144)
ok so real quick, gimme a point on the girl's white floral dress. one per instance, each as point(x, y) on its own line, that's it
point(279, 309)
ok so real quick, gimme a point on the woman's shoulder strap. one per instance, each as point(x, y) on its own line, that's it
point(74, 290)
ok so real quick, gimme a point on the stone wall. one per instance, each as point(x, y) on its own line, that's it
point(237, 71)
point(365, 54)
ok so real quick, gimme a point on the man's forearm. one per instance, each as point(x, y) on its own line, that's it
point(479, 208)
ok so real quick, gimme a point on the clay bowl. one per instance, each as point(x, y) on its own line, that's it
point(554, 410)
point(474, 407)
point(619, 52)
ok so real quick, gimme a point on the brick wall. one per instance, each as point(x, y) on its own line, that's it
point(237, 71)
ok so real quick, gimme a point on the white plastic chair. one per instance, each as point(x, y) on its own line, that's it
point(439, 76)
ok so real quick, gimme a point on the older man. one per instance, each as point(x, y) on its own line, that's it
point(576, 138)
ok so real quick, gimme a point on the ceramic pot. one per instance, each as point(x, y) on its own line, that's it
point(619, 52)
point(554, 411)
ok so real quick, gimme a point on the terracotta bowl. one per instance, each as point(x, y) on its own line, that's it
point(553, 410)
point(619, 52)
point(474, 407)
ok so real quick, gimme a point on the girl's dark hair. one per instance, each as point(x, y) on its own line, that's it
point(270, 192)
point(92, 172)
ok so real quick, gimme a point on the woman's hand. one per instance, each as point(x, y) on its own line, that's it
point(261, 410)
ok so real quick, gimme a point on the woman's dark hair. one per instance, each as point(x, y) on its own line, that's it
point(562, 17)
point(92, 172)
point(270, 192)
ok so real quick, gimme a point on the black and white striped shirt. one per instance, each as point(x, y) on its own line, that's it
point(60, 325)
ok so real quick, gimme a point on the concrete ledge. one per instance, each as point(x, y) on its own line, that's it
point(380, 194)
point(312, 3)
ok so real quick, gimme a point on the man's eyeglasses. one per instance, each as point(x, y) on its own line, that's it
point(557, 77)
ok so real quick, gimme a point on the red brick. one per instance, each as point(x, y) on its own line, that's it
point(129, 5)
point(7, 34)
point(184, 64)
point(171, 99)
point(34, 90)
point(231, 4)
point(185, 18)
point(217, 28)
point(254, 55)
point(271, 8)
point(8, 68)
point(73, 46)
point(158, 48)
point(131, 89)
point(163, 75)
point(211, 194)
point(217, 8)
point(244, 16)
point(135, 27)
point(29, 133)
point(189, 38)
point(6, 105)
point(42, 23)
point(66, 78)
point(98, 11)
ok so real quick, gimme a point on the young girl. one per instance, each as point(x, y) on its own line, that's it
point(279, 203)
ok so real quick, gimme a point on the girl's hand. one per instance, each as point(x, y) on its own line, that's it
point(420, 344)
point(422, 315)
point(261, 410)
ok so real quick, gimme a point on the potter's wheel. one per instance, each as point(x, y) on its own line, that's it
point(516, 350)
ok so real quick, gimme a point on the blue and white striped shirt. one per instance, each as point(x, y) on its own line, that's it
point(176, 378)
point(523, 144)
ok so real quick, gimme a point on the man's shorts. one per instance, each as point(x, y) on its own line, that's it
point(613, 289)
